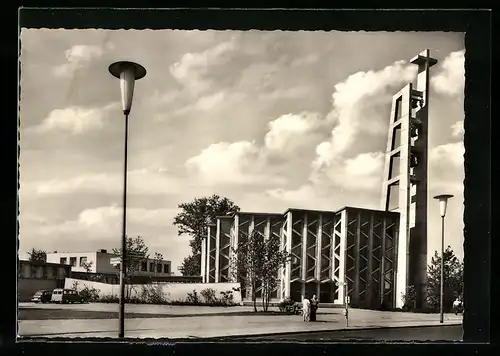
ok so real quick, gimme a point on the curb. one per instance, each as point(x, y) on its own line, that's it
point(248, 336)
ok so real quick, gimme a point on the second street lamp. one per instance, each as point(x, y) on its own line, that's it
point(443, 203)
point(128, 73)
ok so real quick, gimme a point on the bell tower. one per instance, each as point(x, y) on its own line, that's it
point(404, 187)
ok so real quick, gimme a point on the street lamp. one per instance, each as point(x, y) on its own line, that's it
point(128, 73)
point(346, 300)
point(443, 203)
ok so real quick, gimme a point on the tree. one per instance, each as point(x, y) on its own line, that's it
point(273, 260)
point(87, 266)
point(157, 260)
point(90, 275)
point(453, 280)
point(256, 263)
point(247, 263)
point(37, 255)
point(136, 253)
point(191, 265)
point(194, 219)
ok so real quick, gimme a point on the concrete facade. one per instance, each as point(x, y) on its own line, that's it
point(326, 247)
point(404, 187)
point(101, 263)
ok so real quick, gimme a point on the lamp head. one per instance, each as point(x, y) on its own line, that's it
point(128, 73)
point(443, 202)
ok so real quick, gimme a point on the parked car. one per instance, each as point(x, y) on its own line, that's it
point(65, 296)
point(42, 296)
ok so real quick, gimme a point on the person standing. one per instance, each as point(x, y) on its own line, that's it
point(457, 305)
point(314, 307)
point(306, 309)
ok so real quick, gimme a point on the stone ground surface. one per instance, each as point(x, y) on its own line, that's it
point(202, 322)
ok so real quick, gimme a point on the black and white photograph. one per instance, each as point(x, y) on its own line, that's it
point(264, 185)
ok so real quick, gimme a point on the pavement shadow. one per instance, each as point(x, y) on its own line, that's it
point(61, 334)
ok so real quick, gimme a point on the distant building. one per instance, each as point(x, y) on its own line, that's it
point(99, 262)
point(34, 276)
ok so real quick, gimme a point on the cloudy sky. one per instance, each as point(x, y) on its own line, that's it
point(269, 119)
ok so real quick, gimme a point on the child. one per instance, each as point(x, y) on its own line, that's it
point(306, 309)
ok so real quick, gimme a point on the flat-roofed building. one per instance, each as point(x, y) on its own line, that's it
point(37, 275)
point(101, 262)
point(349, 248)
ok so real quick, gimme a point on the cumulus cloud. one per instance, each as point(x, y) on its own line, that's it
point(161, 98)
point(358, 106)
point(291, 131)
point(75, 120)
point(360, 173)
point(105, 215)
point(208, 102)
point(286, 93)
point(143, 181)
point(299, 196)
point(192, 69)
point(458, 129)
point(205, 103)
point(78, 57)
point(238, 162)
point(245, 162)
point(450, 153)
point(32, 218)
point(447, 168)
point(450, 80)
point(106, 221)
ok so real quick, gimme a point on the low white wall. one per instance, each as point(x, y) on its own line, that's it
point(105, 289)
point(173, 291)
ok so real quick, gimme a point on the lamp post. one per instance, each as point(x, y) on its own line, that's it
point(128, 73)
point(346, 300)
point(443, 203)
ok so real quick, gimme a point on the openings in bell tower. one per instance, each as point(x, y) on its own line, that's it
point(398, 108)
point(394, 166)
point(396, 137)
point(393, 197)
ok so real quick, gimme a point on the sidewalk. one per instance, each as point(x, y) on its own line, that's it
point(143, 308)
point(227, 325)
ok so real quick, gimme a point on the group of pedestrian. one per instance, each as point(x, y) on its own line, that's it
point(309, 308)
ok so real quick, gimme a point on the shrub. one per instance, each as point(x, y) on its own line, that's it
point(179, 302)
point(109, 299)
point(151, 294)
point(193, 298)
point(209, 295)
point(89, 294)
point(227, 297)
point(135, 300)
point(410, 299)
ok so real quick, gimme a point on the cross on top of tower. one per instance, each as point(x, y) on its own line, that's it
point(423, 57)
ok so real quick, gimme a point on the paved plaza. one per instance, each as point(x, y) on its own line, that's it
point(176, 322)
